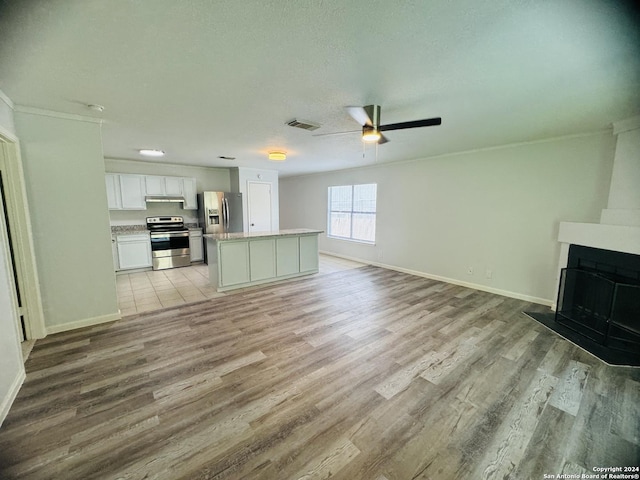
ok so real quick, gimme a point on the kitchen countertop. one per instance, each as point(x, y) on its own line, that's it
point(128, 229)
point(247, 235)
point(133, 229)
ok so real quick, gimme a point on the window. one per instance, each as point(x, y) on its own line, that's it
point(352, 212)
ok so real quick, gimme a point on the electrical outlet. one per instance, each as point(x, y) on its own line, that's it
point(469, 270)
point(488, 273)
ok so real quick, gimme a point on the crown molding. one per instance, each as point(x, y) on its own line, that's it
point(632, 123)
point(7, 100)
point(51, 113)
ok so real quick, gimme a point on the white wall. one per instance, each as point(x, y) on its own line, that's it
point(207, 179)
point(496, 209)
point(64, 176)
point(11, 366)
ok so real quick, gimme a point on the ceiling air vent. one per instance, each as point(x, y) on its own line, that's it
point(304, 124)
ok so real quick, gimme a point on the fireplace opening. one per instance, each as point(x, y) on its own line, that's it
point(599, 300)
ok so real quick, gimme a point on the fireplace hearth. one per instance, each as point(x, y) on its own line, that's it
point(598, 304)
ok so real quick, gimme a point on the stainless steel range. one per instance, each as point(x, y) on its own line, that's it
point(169, 242)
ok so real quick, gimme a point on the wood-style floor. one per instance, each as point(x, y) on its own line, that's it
point(361, 374)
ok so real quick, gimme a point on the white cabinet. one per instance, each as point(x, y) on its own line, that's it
point(309, 253)
point(195, 245)
point(287, 253)
point(173, 185)
point(157, 185)
point(132, 192)
point(154, 185)
point(134, 251)
point(114, 253)
point(234, 263)
point(114, 197)
point(189, 192)
point(244, 259)
point(262, 259)
point(128, 192)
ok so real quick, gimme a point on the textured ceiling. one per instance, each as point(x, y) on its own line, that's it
point(205, 78)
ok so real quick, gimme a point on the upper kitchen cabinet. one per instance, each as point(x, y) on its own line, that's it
point(128, 192)
point(132, 192)
point(114, 198)
point(156, 185)
point(190, 193)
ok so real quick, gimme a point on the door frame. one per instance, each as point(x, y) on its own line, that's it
point(21, 236)
point(249, 183)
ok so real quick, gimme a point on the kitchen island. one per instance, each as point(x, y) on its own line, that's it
point(238, 260)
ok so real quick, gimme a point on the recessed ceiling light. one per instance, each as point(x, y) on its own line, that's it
point(277, 156)
point(151, 152)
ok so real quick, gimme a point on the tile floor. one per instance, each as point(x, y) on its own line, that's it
point(153, 290)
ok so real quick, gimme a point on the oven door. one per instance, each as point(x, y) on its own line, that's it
point(164, 242)
point(170, 249)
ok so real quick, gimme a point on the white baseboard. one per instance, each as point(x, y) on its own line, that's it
point(88, 322)
point(475, 286)
point(11, 396)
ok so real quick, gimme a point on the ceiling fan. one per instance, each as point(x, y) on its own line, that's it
point(369, 118)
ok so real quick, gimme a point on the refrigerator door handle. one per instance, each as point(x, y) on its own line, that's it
point(225, 202)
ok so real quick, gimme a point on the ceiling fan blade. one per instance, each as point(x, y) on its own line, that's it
point(382, 140)
point(360, 115)
point(335, 133)
point(427, 122)
point(366, 116)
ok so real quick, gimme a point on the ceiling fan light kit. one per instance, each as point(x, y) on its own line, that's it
point(369, 118)
point(277, 156)
point(370, 134)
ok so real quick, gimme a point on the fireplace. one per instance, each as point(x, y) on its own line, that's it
point(598, 292)
point(599, 299)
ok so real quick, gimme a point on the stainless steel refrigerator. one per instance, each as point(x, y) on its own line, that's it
point(220, 212)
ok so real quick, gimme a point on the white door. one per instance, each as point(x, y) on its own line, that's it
point(259, 206)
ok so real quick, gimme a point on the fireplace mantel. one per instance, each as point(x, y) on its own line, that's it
point(619, 238)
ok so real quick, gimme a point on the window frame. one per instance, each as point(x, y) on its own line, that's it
point(351, 212)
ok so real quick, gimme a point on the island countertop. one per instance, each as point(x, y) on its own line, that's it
point(249, 235)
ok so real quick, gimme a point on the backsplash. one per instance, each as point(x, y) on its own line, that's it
point(115, 229)
point(139, 217)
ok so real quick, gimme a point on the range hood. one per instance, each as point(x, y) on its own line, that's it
point(164, 199)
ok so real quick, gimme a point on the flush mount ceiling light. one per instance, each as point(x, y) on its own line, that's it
point(277, 156)
point(151, 152)
point(370, 134)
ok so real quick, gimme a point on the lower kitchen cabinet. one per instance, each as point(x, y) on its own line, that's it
point(196, 247)
point(114, 253)
point(234, 263)
point(238, 260)
point(309, 260)
point(134, 251)
point(262, 259)
point(287, 254)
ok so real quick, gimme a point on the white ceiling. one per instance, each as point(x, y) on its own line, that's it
point(203, 78)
